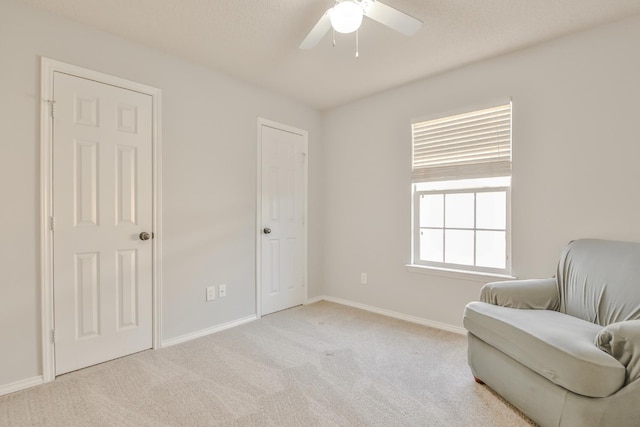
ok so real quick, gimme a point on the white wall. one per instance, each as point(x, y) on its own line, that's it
point(576, 166)
point(209, 178)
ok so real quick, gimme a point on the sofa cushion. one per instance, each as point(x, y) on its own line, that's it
point(557, 346)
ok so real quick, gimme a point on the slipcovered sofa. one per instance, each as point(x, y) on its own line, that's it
point(565, 350)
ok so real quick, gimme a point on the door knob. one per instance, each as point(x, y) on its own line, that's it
point(266, 230)
point(145, 236)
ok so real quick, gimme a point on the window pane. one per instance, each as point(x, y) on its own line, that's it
point(491, 210)
point(432, 210)
point(459, 247)
point(431, 245)
point(459, 210)
point(491, 248)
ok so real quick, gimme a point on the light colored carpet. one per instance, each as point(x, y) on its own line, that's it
point(319, 365)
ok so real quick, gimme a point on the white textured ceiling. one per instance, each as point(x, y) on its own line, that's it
point(257, 40)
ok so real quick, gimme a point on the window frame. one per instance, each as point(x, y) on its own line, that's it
point(440, 179)
point(415, 234)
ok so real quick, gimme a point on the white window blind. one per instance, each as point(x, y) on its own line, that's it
point(470, 145)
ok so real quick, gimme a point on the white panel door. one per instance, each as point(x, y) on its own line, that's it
point(102, 202)
point(283, 242)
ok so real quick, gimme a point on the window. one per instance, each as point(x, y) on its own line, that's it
point(461, 180)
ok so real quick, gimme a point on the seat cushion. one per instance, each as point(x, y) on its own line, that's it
point(557, 346)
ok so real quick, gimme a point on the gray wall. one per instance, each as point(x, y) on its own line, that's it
point(209, 178)
point(576, 167)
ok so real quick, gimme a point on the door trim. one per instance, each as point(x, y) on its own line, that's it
point(305, 173)
point(47, 69)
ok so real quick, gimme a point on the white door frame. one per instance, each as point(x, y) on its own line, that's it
point(47, 68)
point(259, 223)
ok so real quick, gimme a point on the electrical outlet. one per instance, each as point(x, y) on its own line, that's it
point(222, 291)
point(363, 278)
point(211, 293)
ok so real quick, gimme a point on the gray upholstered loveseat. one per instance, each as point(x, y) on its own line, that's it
point(566, 350)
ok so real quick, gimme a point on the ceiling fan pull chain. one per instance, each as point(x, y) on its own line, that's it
point(334, 38)
point(357, 43)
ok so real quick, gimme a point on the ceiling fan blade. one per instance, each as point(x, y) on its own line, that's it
point(317, 32)
point(392, 18)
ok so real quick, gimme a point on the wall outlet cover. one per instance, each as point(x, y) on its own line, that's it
point(211, 293)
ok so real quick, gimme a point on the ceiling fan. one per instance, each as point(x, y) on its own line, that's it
point(346, 17)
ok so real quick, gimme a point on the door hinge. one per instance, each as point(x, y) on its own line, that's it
point(53, 336)
point(52, 107)
point(53, 223)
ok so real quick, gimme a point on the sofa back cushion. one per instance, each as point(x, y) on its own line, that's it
point(599, 280)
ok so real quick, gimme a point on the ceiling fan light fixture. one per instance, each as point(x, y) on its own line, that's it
point(346, 16)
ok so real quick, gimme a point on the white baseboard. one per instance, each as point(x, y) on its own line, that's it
point(20, 385)
point(207, 331)
point(314, 299)
point(394, 314)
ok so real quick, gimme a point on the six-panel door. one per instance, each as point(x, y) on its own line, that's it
point(283, 193)
point(102, 201)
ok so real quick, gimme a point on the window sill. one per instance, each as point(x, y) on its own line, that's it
point(474, 276)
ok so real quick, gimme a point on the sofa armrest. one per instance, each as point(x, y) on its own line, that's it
point(622, 341)
point(540, 294)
